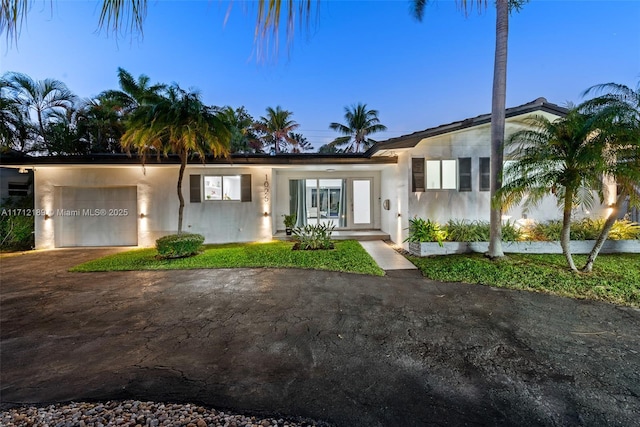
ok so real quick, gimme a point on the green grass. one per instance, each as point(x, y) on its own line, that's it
point(348, 256)
point(615, 278)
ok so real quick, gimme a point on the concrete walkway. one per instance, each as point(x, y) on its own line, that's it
point(386, 257)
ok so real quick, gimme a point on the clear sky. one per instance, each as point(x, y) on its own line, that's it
point(418, 75)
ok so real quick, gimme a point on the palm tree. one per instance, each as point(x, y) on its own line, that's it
point(178, 123)
point(100, 124)
point(301, 143)
point(498, 102)
point(43, 98)
point(360, 123)
point(562, 157)
point(617, 115)
point(276, 125)
point(15, 126)
point(242, 128)
point(133, 93)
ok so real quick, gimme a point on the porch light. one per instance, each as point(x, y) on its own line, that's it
point(142, 216)
point(265, 213)
point(23, 170)
point(46, 217)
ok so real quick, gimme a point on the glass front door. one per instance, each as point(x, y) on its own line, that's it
point(361, 202)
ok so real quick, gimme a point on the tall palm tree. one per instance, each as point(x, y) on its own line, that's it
point(360, 123)
point(617, 115)
point(276, 125)
point(43, 98)
point(178, 123)
point(561, 157)
point(498, 103)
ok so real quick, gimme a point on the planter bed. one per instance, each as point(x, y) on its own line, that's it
point(577, 247)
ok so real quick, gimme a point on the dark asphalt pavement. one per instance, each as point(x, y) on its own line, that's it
point(351, 350)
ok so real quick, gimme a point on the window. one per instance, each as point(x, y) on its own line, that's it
point(18, 188)
point(485, 174)
point(441, 175)
point(417, 174)
point(464, 174)
point(222, 187)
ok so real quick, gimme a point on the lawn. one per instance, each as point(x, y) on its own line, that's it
point(348, 256)
point(615, 278)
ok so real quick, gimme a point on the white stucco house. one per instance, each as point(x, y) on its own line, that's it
point(439, 173)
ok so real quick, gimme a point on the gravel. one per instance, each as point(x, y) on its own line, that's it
point(135, 413)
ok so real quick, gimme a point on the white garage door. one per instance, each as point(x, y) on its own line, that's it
point(96, 216)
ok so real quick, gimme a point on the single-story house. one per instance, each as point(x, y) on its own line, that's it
point(439, 173)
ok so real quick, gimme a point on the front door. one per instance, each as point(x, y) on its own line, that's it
point(361, 203)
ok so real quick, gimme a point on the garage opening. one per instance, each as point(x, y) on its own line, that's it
point(96, 216)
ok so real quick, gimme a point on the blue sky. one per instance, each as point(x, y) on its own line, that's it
point(418, 75)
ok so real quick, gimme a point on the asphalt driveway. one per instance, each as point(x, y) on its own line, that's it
point(348, 349)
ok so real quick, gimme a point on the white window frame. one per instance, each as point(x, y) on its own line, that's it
point(444, 177)
point(224, 195)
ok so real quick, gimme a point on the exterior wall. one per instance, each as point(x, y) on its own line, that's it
point(223, 221)
point(443, 205)
point(231, 221)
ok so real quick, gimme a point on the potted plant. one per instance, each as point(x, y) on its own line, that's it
point(289, 223)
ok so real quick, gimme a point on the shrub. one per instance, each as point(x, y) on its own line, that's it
point(421, 230)
point(465, 231)
point(16, 231)
point(312, 237)
point(179, 245)
point(625, 230)
point(511, 233)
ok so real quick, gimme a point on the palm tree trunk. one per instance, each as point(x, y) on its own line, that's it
point(565, 234)
point(604, 233)
point(183, 165)
point(498, 103)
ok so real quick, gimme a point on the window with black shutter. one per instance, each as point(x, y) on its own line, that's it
point(485, 174)
point(464, 174)
point(194, 189)
point(417, 174)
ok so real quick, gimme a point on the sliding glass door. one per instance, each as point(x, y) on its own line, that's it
point(345, 203)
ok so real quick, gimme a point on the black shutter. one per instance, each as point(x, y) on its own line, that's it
point(485, 173)
point(464, 174)
point(417, 174)
point(194, 189)
point(245, 188)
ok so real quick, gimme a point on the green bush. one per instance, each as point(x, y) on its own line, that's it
point(625, 230)
point(179, 245)
point(421, 230)
point(17, 224)
point(511, 233)
point(311, 237)
point(465, 231)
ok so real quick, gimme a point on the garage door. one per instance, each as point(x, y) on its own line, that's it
point(96, 216)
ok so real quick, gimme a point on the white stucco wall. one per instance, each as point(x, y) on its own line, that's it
point(395, 187)
point(443, 205)
point(221, 221)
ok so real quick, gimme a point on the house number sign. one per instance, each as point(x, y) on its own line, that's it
point(266, 188)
